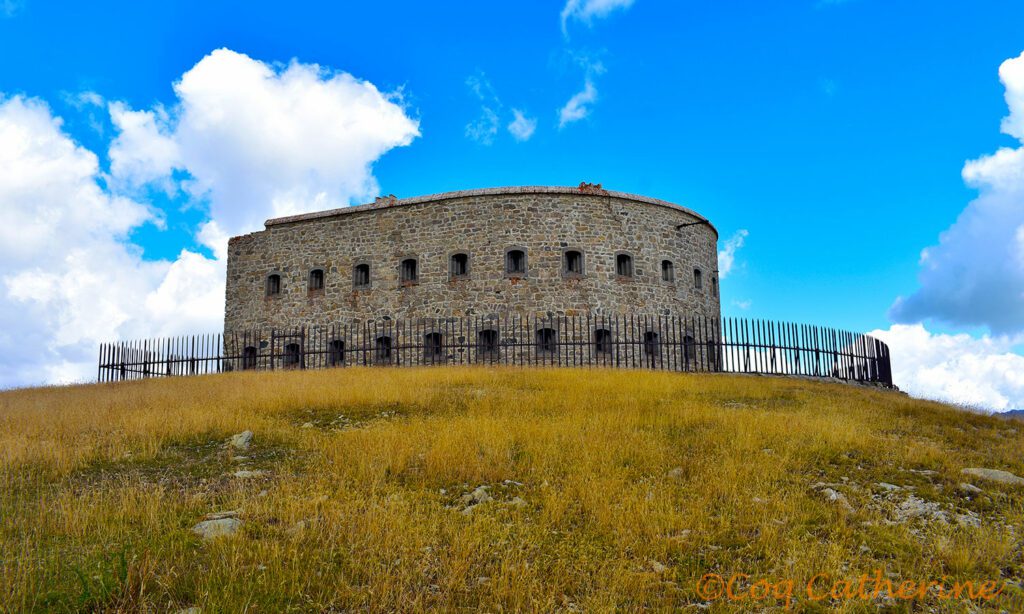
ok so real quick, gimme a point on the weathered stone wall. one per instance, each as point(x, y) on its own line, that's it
point(544, 221)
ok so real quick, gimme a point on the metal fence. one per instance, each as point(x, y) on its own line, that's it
point(671, 343)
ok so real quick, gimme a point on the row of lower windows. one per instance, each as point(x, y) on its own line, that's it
point(515, 266)
point(488, 343)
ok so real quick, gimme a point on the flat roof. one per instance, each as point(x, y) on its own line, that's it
point(387, 203)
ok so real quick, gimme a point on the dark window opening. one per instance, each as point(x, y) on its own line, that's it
point(487, 343)
point(697, 281)
point(573, 263)
point(459, 266)
point(292, 356)
point(714, 286)
point(432, 346)
point(651, 343)
point(668, 271)
point(624, 265)
point(547, 340)
point(249, 355)
point(383, 349)
point(337, 353)
point(273, 285)
point(603, 341)
point(361, 276)
point(408, 271)
point(515, 262)
point(689, 349)
point(316, 280)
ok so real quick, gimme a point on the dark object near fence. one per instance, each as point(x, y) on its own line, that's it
point(670, 343)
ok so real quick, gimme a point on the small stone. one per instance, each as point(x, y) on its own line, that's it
point(239, 459)
point(191, 610)
point(657, 567)
point(241, 441)
point(307, 425)
point(480, 495)
point(220, 527)
point(995, 475)
point(888, 486)
point(970, 489)
point(518, 502)
point(838, 498)
point(676, 474)
point(968, 520)
point(263, 493)
point(245, 474)
point(298, 527)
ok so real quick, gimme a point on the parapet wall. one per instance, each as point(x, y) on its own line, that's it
point(542, 222)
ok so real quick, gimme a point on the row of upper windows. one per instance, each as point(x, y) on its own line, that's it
point(515, 266)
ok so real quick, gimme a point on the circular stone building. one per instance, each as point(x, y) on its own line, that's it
point(493, 252)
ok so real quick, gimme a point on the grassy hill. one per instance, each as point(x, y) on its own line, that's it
point(360, 490)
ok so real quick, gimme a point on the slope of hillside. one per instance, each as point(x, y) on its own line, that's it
point(573, 490)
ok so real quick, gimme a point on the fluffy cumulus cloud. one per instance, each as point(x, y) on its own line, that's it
point(260, 141)
point(244, 139)
point(983, 373)
point(727, 255)
point(586, 11)
point(975, 275)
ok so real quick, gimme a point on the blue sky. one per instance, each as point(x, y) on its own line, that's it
point(831, 134)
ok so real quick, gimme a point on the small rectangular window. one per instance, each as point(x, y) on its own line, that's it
point(316, 280)
point(573, 263)
point(668, 271)
point(459, 266)
point(408, 272)
point(273, 285)
point(515, 262)
point(624, 265)
point(361, 276)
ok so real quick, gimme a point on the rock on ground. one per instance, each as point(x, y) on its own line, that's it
point(995, 475)
point(241, 440)
point(217, 527)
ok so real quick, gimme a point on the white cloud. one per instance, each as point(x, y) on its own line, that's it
point(261, 141)
point(522, 127)
point(727, 255)
point(975, 275)
point(254, 141)
point(578, 106)
point(744, 305)
point(982, 373)
point(143, 150)
point(69, 276)
point(586, 11)
point(484, 128)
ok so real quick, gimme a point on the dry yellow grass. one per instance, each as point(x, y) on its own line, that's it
point(101, 485)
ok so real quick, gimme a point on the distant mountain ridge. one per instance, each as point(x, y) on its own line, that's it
point(1016, 414)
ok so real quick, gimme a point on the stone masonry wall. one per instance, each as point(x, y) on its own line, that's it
point(543, 221)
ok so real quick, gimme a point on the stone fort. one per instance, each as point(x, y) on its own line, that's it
point(526, 251)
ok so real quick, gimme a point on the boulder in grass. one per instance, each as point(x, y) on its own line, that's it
point(241, 441)
point(994, 475)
